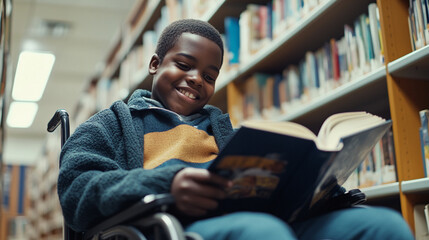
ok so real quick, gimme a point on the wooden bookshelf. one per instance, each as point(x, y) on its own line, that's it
point(408, 94)
point(300, 38)
point(128, 39)
point(414, 65)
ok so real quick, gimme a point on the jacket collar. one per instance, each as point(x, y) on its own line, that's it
point(137, 102)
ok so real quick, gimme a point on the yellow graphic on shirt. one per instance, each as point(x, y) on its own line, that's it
point(183, 142)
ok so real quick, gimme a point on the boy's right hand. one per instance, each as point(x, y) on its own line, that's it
point(197, 191)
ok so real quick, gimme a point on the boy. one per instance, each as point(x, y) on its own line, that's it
point(162, 142)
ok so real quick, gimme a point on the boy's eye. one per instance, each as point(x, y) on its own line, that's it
point(209, 78)
point(183, 66)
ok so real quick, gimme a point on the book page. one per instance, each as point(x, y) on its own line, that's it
point(286, 128)
point(342, 125)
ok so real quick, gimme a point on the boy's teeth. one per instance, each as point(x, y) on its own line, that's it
point(188, 94)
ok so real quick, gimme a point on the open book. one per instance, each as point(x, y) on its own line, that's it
point(284, 168)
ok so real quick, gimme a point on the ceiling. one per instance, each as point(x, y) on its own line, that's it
point(94, 25)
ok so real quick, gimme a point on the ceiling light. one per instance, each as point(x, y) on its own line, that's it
point(50, 28)
point(21, 114)
point(32, 74)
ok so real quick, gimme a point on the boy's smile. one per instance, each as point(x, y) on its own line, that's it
point(185, 79)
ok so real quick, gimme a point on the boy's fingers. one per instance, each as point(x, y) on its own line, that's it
point(194, 187)
point(203, 175)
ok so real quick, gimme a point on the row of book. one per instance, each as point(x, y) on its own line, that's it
point(179, 9)
point(378, 168)
point(337, 62)
point(258, 24)
point(424, 139)
point(136, 62)
point(134, 65)
point(418, 21)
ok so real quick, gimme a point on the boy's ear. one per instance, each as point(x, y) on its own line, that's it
point(154, 64)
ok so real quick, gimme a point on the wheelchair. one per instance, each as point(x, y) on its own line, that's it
point(146, 218)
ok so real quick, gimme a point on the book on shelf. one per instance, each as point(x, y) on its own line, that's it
point(421, 220)
point(232, 39)
point(285, 168)
point(374, 26)
point(424, 139)
point(426, 210)
point(418, 20)
point(336, 62)
point(379, 167)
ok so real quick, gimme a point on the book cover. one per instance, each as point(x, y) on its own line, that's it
point(287, 173)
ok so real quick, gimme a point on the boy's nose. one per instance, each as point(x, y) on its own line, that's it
point(194, 78)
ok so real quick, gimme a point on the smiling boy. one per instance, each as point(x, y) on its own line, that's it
point(159, 142)
point(163, 141)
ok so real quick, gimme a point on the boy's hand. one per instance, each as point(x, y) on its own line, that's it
point(197, 191)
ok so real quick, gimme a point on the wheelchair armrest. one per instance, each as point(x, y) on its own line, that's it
point(148, 205)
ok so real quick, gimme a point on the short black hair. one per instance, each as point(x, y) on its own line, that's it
point(172, 32)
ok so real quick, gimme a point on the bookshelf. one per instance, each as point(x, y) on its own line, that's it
point(414, 65)
point(396, 90)
point(407, 95)
point(44, 215)
point(5, 90)
point(382, 191)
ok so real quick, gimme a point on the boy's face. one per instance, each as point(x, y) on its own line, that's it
point(185, 80)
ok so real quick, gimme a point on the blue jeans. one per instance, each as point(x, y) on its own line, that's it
point(351, 223)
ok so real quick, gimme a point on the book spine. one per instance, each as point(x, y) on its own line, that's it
point(422, 148)
point(424, 138)
point(426, 210)
point(373, 24)
point(335, 60)
point(232, 31)
point(420, 21)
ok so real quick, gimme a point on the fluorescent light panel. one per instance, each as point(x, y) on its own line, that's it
point(32, 74)
point(21, 114)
